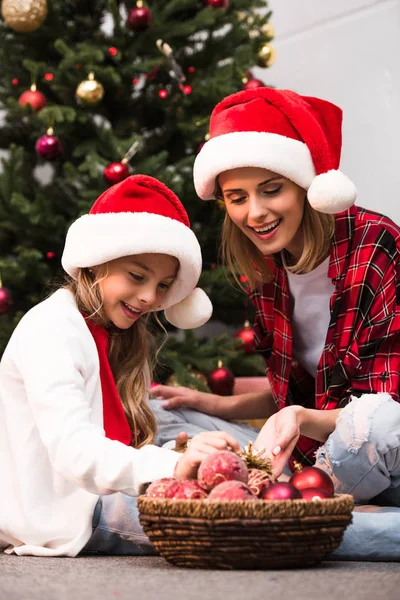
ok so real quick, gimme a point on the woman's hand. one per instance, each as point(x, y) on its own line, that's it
point(279, 436)
point(176, 397)
point(201, 446)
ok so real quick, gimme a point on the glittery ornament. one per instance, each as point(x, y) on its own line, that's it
point(36, 99)
point(24, 16)
point(49, 146)
point(90, 91)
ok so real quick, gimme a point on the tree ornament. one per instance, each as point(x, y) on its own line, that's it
point(36, 99)
point(5, 299)
point(174, 381)
point(259, 481)
point(312, 494)
point(90, 91)
point(221, 466)
point(116, 171)
point(268, 30)
point(221, 380)
point(139, 18)
point(24, 16)
point(281, 490)
point(231, 490)
point(253, 459)
point(266, 56)
point(246, 335)
point(253, 84)
point(312, 477)
point(49, 146)
point(217, 3)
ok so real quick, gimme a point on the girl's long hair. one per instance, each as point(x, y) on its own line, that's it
point(244, 258)
point(131, 355)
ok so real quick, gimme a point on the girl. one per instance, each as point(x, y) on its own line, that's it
point(324, 277)
point(76, 432)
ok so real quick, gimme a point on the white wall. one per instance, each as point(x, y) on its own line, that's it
point(348, 52)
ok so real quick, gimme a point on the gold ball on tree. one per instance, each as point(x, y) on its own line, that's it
point(24, 16)
point(90, 91)
point(266, 56)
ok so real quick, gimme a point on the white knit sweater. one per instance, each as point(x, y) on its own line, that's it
point(55, 460)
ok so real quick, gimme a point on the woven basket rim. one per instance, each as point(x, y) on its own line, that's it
point(246, 509)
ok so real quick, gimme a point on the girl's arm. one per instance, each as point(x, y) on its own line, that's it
point(317, 424)
point(253, 405)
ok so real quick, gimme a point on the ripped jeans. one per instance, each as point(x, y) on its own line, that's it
point(362, 455)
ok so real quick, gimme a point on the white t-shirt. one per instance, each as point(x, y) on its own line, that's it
point(311, 293)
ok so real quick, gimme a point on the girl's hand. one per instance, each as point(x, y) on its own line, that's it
point(176, 397)
point(279, 436)
point(200, 446)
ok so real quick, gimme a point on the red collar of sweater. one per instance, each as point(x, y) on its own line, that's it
point(115, 423)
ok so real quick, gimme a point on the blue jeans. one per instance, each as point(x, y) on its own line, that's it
point(116, 528)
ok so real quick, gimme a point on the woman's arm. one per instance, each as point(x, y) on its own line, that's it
point(252, 405)
point(317, 424)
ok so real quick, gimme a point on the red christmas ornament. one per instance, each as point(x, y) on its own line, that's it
point(311, 494)
point(50, 255)
point(217, 3)
point(163, 93)
point(139, 18)
point(185, 489)
point(116, 172)
point(253, 84)
point(221, 380)
point(231, 490)
point(246, 335)
point(282, 490)
point(5, 300)
point(49, 146)
point(15, 81)
point(312, 477)
point(220, 467)
point(49, 76)
point(258, 481)
point(158, 488)
point(112, 51)
point(36, 99)
point(187, 89)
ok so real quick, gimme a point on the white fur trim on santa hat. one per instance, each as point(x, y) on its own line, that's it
point(288, 157)
point(95, 239)
point(332, 192)
point(194, 311)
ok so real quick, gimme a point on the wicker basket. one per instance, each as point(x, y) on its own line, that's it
point(245, 534)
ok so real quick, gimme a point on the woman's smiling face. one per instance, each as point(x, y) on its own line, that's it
point(267, 207)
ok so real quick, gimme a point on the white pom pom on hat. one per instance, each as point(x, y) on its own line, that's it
point(299, 137)
point(136, 216)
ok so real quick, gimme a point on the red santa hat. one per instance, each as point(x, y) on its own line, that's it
point(296, 136)
point(135, 216)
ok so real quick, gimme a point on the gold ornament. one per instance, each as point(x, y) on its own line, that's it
point(253, 459)
point(24, 15)
point(174, 381)
point(266, 56)
point(89, 91)
point(268, 30)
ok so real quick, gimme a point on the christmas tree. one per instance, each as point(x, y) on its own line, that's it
point(95, 90)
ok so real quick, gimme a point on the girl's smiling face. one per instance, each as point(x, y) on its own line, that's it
point(267, 207)
point(136, 285)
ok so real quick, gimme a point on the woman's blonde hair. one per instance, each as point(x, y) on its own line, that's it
point(131, 354)
point(244, 258)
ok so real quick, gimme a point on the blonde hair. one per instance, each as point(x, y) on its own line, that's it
point(244, 258)
point(131, 354)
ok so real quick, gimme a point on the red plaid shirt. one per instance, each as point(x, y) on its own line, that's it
point(362, 347)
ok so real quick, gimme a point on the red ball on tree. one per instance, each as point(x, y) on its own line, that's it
point(5, 300)
point(282, 490)
point(139, 18)
point(221, 380)
point(312, 477)
point(253, 84)
point(219, 467)
point(185, 489)
point(116, 172)
point(36, 99)
point(231, 490)
point(49, 146)
point(312, 494)
point(217, 3)
point(246, 335)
